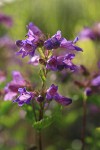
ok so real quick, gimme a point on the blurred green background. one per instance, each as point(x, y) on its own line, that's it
point(69, 16)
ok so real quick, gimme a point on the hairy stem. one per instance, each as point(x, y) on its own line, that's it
point(84, 124)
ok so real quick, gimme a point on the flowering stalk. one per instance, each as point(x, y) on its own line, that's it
point(41, 52)
point(84, 122)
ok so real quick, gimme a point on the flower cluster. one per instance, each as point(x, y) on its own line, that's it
point(50, 94)
point(41, 50)
point(12, 87)
point(36, 39)
point(91, 84)
point(59, 63)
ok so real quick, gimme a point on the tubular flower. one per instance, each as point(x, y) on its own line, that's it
point(11, 88)
point(57, 41)
point(70, 45)
point(24, 98)
point(53, 94)
point(61, 62)
point(96, 81)
point(87, 33)
point(26, 48)
point(52, 63)
point(62, 100)
point(34, 38)
point(6, 20)
point(54, 41)
point(90, 85)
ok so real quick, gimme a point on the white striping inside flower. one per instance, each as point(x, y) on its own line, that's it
point(24, 97)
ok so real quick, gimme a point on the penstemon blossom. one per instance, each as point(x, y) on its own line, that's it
point(91, 84)
point(40, 50)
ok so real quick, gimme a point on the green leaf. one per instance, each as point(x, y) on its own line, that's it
point(29, 113)
point(45, 122)
point(5, 107)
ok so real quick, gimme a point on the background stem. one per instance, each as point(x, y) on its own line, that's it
point(40, 140)
point(84, 124)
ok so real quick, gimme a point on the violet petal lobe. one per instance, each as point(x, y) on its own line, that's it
point(96, 81)
point(62, 100)
point(51, 92)
point(24, 97)
point(52, 63)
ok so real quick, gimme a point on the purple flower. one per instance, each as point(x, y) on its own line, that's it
point(11, 88)
point(6, 20)
point(87, 33)
point(96, 81)
point(34, 60)
point(52, 63)
point(68, 63)
point(53, 94)
point(26, 48)
point(34, 38)
point(34, 33)
point(24, 98)
point(53, 42)
point(62, 100)
point(70, 45)
point(61, 62)
point(57, 41)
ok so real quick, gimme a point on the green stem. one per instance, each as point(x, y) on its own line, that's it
point(41, 111)
point(34, 111)
point(84, 123)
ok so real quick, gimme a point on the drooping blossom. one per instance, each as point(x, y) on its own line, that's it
point(96, 81)
point(34, 39)
point(53, 94)
point(7, 43)
point(87, 33)
point(91, 84)
point(61, 62)
point(62, 99)
point(6, 20)
point(11, 88)
point(24, 98)
point(70, 45)
point(57, 41)
point(26, 48)
point(52, 63)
